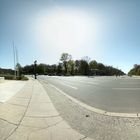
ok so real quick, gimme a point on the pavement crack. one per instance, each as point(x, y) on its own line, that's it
point(83, 138)
point(54, 123)
point(42, 116)
point(8, 121)
point(31, 126)
point(11, 133)
point(17, 105)
point(26, 98)
point(44, 128)
point(22, 116)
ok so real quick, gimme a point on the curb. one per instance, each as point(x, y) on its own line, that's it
point(96, 110)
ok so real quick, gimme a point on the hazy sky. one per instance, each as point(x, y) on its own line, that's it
point(105, 30)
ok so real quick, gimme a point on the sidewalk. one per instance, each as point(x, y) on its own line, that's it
point(30, 115)
point(9, 88)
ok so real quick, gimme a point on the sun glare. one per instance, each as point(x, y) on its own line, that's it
point(64, 29)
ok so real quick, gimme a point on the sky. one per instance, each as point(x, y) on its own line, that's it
point(107, 31)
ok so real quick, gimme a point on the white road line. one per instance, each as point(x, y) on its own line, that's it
point(97, 110)
point(89, 83)
point(126, 88)
point(62, 83)
point(69, 86)
point(128, 83)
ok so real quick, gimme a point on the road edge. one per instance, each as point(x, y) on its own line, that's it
point(97, 110)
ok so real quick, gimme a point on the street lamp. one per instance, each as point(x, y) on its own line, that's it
point(35, 68)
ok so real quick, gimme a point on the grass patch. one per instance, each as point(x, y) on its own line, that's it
point(24, 78)
point(12, 77)
point(9, 77)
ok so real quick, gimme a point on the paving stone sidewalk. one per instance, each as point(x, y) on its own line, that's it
point(30, 115)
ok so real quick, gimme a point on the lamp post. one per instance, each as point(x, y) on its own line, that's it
point(35, 68)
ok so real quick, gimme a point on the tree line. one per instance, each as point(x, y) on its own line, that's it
point(135, 70)
point(67, 66)
point(6, 71)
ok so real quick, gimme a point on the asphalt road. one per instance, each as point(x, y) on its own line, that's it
point(112, 94)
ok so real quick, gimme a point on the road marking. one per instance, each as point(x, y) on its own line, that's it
point(88, 83)
point(96, 110)
point(128, 83)
point(126, 88)
point(69, 86)
point(65, 84)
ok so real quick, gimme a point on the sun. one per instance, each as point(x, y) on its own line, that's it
point(64, 28)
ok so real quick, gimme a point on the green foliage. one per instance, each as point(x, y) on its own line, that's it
point(41, 68)
point(24, 78)
point(65, 57)
point(28, 69)
point(67, 67)
point(93, 64)
point(84, 67)
point(12, 77)
point(59, 70)
point(71, 64)
point(9, 77)
point(6, 71)
point(135, 70)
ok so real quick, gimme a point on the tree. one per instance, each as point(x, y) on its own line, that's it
point(135, 70)
point(71, 67)
point(6, 71)
point(59, 69)
point(86, 58)
point(41, 68)
point(77, 66)
point(65, 57)
point(28, 69)
point(84, 67)
point(93, 64)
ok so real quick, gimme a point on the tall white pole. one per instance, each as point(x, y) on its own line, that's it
point(14, 58)
point(17, 68)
